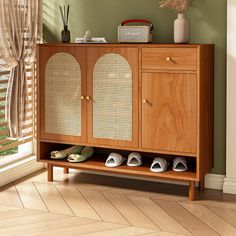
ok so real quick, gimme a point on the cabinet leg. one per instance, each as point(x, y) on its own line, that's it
point(191, 190)
point(202, 184)
point(50, 172)
point(66, 170)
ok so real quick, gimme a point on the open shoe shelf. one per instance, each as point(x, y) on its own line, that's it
point(97, 163)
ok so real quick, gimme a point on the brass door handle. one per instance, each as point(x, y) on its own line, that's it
point(144, 101)
point(82, 97)
point(168, 59)
point(88, 98)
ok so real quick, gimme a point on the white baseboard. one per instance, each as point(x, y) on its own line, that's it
point(229, 185)
point(214, 181)
point(19, 169)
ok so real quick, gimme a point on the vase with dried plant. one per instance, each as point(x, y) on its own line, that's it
point(181, 24)
point(65, 33)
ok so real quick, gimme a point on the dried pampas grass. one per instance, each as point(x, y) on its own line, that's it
point(179, 6)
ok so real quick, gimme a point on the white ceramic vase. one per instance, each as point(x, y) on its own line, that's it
point(181, 29)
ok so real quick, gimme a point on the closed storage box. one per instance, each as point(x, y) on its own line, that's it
point(135, 34)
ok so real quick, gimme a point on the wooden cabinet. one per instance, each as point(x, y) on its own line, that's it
point(151, 98)
point(169, 112)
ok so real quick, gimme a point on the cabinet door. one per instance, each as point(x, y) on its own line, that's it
point(113, 93)
point(61, 72)
point(169, 112)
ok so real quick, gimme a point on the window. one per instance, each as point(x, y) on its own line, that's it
point(23, 146)
point(29, 28)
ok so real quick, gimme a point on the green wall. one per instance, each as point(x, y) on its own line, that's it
point(101, 17)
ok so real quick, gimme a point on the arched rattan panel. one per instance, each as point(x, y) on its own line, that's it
point(62, 95)
point(112, 98)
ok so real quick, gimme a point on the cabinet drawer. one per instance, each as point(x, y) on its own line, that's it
point(169, 58)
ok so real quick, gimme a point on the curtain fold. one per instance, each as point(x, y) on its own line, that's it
point(20, 30)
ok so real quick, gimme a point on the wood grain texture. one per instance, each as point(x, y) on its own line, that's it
point(75, 229)
point(103, 207)
point(18, 213)
point(30, 197)
point(10, 196)
point(206, 110)
point(213, 215)
point(158, 216)
point(228, 215)
point(192, 189)
point(50, 172)
point(190, 222)
point(7, 208)
point(122, 45)
point(52, 199)
point(66, 170)
point(127, 231)
point(79, 206)
point(169, 58)
point(39, 227)
point(163, 234)
point(202, 184)
point(29, 219)
point(169, 112)
point(130, 212)
point(212, 220)
point(97, 163)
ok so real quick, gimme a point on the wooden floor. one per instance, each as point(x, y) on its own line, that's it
point(87, 204)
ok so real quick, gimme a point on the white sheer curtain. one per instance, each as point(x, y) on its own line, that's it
point(20, 30)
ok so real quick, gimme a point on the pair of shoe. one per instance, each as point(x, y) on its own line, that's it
point(75, 154)
point(161, 165)
point(115, 159)
point(158, 165)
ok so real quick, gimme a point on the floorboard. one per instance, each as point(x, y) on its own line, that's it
point(85, 204)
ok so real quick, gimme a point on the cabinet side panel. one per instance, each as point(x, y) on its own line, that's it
point(38, 78)
point(206, 129)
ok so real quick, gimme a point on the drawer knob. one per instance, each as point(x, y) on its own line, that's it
point(168, 59)
point(144, 101)
point(88, 98)
point(82, 97)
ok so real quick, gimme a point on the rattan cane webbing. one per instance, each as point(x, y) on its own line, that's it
point(112, 98)
point(62, 95)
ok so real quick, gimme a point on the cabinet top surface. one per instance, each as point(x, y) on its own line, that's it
point(123, 45)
